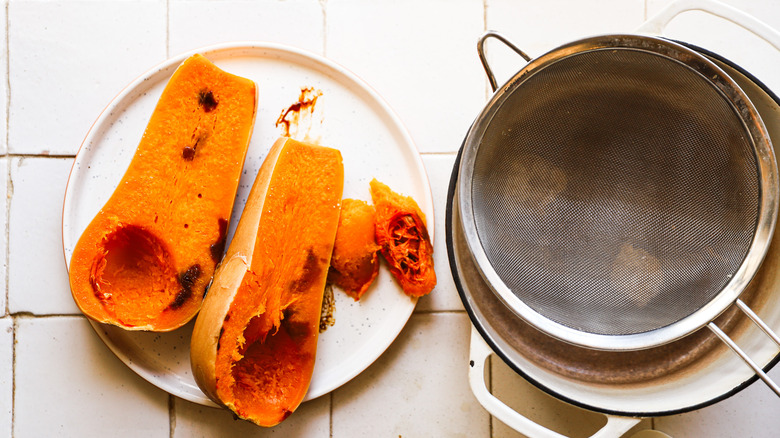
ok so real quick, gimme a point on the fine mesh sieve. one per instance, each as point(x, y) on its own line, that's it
point(619, 192)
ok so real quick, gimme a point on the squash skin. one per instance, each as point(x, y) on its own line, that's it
point(254, 342)
point(145, 260)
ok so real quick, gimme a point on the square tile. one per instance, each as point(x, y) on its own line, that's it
point(195, 24)
point(68, 59)
point(444, 296)
point(37, 275)
point(311, 420)
point(418, 387)
point(542, 408)
point(750, 413)
point(4, 196)
point(6, 374)
point(419, 56)
point(67, 377)
point(542, 26)
point(729, 40)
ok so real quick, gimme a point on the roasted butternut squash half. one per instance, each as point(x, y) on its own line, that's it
point(255, 340)
point(145, 260)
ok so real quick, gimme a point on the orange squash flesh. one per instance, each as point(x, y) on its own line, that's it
point(355, 263)
point(403, 237)
point(145, 260)
point(254, 342)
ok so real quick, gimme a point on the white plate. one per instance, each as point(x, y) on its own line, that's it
point(356, 120)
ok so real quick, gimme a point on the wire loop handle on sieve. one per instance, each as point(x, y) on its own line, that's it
point(483, 56)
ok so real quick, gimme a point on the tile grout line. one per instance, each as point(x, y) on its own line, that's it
point(9, 184)
point(171, 415)
point(324, 7)
point(330, 414)
point(167, 28)
point(7, 231)
point(15, 326)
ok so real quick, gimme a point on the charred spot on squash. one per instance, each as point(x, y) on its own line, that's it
point(188, 153)
point(218, 247)
point(187, 281)
point(310, 272)
point(296, 326)
point(206, 100)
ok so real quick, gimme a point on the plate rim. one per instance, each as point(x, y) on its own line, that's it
point(249, 45)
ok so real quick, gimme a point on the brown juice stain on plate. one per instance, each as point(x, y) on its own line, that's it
point(299, 121)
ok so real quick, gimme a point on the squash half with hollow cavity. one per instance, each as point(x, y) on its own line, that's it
point(145, 260)
point(254, 342)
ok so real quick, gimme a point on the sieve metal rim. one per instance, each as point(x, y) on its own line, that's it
point(768, 202)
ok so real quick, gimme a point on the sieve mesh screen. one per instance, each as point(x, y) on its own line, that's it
point(615, 191)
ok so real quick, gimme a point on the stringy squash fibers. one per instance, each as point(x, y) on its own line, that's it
point(144, 261)
point(403, 237)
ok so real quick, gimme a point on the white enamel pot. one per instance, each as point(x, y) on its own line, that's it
point(687, 374)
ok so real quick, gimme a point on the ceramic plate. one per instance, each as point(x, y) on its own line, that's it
point(356, 120)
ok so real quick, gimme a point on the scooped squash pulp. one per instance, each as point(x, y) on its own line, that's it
point(145, 260)
point(355, 264)
point(254, 342)
point(403, 237)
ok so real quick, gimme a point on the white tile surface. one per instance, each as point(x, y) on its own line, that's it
point(4, 194)
point(750, 413)
point(67, 383)
point(37, 276)
point(194, 24)
point(310, 420)
point(418, 388)
point(6, 374)
point(729, 40)
point(68, 59)
point(420, 56)
point(444, 296)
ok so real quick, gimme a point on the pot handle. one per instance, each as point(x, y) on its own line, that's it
point(483, 58)
point(658, 23)
point(735, 348)
point(479, 352)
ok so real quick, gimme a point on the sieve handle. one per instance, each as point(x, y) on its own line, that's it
point(483, 58)
point(480, 351)
point(658, 23)
point(741, 353)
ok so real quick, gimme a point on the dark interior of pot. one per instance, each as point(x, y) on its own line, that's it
point(516, 342)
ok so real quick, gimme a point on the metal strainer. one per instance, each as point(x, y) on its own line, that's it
point(619, 192)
